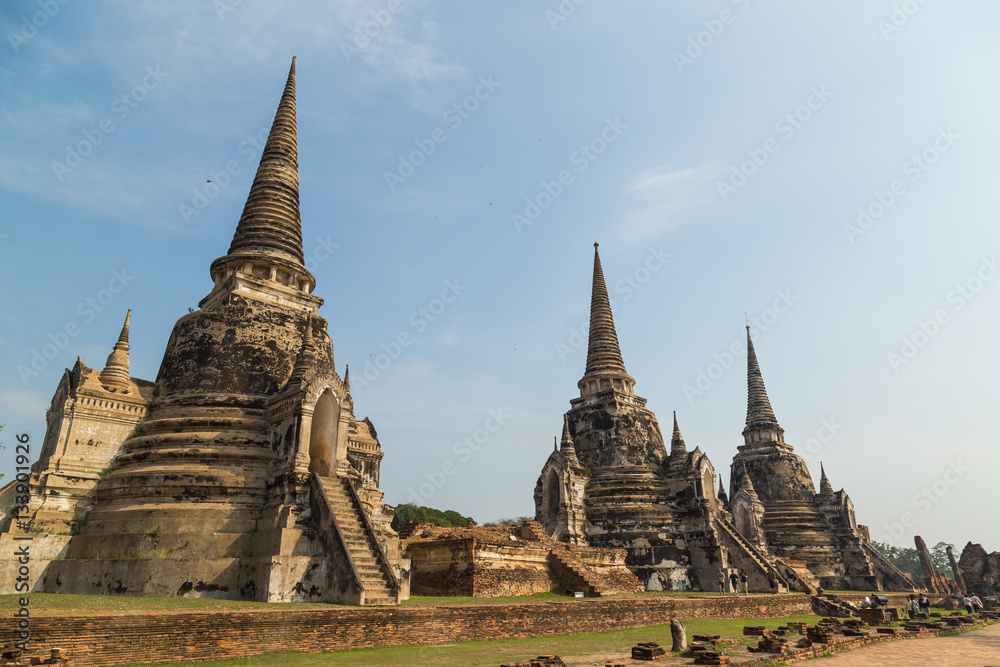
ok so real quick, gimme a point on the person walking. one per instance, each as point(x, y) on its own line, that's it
point(967, 601)
point(745, 582)
point(977, 604)
point(772, 580)
point(734, 579)
point(925, 604)
point(722, 581)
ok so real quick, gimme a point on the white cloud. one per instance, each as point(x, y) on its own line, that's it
point(659, 198)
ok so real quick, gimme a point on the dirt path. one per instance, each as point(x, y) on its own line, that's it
point(980, 648)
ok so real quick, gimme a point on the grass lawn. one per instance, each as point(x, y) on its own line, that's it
point(590, 648)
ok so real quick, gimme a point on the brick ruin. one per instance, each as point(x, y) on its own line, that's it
point(933, 581)
point(509, 561)
point(612, 483)
point(980, 570)
point(242, 471)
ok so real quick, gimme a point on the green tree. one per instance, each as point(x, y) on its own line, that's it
point(905, 558)
point(939, 557)
point(512, 521)
point(408, 512)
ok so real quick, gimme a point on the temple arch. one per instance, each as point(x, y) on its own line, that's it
point(323, 435)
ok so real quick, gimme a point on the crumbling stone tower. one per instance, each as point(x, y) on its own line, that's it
point(775, 505)
point(242, 472)
point(612, 483)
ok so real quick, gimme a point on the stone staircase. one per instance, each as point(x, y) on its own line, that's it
point(751, 551)
point(370, 566)
point(888, 570)
point(573, 575)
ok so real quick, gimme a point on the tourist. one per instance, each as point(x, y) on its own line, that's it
point(745, 582)
point(913, 607)
point(866, 603)
point(772, 580)
point(734, 579)
point(977, 604)
point(874, 601)
point(925, 604)
point(722, 581)
point(967, 601)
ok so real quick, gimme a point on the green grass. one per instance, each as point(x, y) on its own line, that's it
point(589, 648)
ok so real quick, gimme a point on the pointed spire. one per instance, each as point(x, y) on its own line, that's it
point(115, 374)
point(722, 492)
point(761, 425)
point(604, 356)
point(825, 489)
point(677, 446)
point(270, 228)
point(746, 484)
point(347, 378)
point(567, 447)
point(306, 358)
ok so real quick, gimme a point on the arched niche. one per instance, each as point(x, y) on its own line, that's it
point(323, 435)
point(550, 497)
point(744, 522)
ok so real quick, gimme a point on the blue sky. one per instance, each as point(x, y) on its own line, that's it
point(827, 169)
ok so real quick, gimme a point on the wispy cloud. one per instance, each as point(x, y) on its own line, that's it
point(658, 199)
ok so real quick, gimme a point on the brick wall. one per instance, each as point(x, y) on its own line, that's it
point(117, 640)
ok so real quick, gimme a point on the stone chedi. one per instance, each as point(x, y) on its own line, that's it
point(775, 505)
point(241, 472)
point(613, 483)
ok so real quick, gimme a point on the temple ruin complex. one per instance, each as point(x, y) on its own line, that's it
point(242, 471)
point(612, 483)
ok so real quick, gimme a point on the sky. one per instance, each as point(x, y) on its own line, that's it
point(824, 171)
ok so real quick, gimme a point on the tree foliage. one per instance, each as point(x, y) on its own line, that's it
point(409, 512)
point(907, 560)
point(512, 521)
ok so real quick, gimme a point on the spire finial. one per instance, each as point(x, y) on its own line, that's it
point(825, 488)
point(677, 446)
point(270, 227)
point(760, 416)
point(722, 492)
point(347, 378)
point(115, 374)
point(306, 358)
point(567, 447)
point(605, 367)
